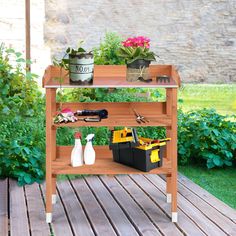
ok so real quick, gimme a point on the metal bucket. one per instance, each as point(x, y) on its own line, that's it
point(81, 69)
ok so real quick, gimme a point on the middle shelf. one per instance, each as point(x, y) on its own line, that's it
point(121, 113)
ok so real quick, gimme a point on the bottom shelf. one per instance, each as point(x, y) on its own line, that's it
point(103, 166)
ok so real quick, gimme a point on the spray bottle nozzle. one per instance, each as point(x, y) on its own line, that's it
point(89, 137)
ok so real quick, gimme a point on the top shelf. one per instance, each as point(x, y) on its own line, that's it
point(109, 76)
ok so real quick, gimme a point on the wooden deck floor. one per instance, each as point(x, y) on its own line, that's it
point(106, 206)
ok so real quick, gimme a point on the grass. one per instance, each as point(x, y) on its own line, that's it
point(219, 182)
point(220, 97)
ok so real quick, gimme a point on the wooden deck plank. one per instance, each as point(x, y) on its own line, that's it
point(209, 198)
point(223, 222)
point(38, 225)
point(158, 217)
point(4, 207)
point(18, 211)
point(136, 215)
point(116, 215)
point(60, 224)
point(184, 222)
point(200, 219)
point(75, 212)
point(94, 211)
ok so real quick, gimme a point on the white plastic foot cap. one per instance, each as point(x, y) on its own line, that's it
point(49, 217)
point(174, 217)
point(168, 197)
point(54, 198)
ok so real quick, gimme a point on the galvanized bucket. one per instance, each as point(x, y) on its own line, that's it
point(81, 68)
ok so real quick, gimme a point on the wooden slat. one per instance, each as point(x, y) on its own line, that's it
point(108, 76)
point(27, 33)
point(157, 216)
point(102, 166)
point(223, 222)
point(38, 225)
point(209, 198)
point(175, 75)
point(186, 224)
point(120, 221)
point(60, 224)
point(18, 211)
point(209, 227)
point(78, 220)
point(3, 207)
point(136, 215)
point(119, 108)
point(93, 210)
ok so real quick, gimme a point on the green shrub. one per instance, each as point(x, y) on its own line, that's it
point(22, 124)
point(19, 91)
point(206, 137)
point(22, 145)
point(106, 53)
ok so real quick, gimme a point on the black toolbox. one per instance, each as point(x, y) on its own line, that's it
point(121, 144)
point(141, 153)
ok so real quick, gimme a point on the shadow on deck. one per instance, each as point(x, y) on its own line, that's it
point(122, 205)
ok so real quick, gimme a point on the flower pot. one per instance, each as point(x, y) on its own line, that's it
point(81, 68)
point(138, 69)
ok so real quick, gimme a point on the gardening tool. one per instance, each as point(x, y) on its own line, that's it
point(90, 119)
point(103, 113)
point(139, 118)
point(163, 78)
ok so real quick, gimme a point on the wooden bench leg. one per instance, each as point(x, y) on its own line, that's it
point(48, 198)
point(54, 196)
point(174, 197)
point(168, 188)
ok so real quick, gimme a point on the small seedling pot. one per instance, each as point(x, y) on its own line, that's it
point(81, 68)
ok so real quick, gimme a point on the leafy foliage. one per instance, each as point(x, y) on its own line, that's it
point(79, 51)
point(132, 54)
point(206, 137)
point(18, 88)
point(22, 146)
point(22, 126)
point(106, 52)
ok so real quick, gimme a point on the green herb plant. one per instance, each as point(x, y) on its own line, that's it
point(106, 52)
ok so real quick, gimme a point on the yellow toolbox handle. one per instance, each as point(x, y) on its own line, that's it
point(155, 156)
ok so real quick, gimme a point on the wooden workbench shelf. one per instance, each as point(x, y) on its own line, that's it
point(119, 114)
point(104, 164)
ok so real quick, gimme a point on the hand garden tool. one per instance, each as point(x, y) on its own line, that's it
point(163, 78)
point(139, 118)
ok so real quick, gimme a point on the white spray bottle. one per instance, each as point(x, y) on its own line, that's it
point(77, 151)
point(89, 153)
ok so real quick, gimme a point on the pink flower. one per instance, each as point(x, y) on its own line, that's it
point(139, 41)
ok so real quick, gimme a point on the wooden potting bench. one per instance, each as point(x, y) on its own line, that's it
point(120, 114)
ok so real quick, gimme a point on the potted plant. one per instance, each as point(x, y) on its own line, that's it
point(137, 55)
point(79, 63)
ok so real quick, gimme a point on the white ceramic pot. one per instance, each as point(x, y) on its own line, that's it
point(81, 68)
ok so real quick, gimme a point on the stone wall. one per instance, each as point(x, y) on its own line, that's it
point(198, 36)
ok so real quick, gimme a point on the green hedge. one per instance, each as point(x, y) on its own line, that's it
point(205, 137)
